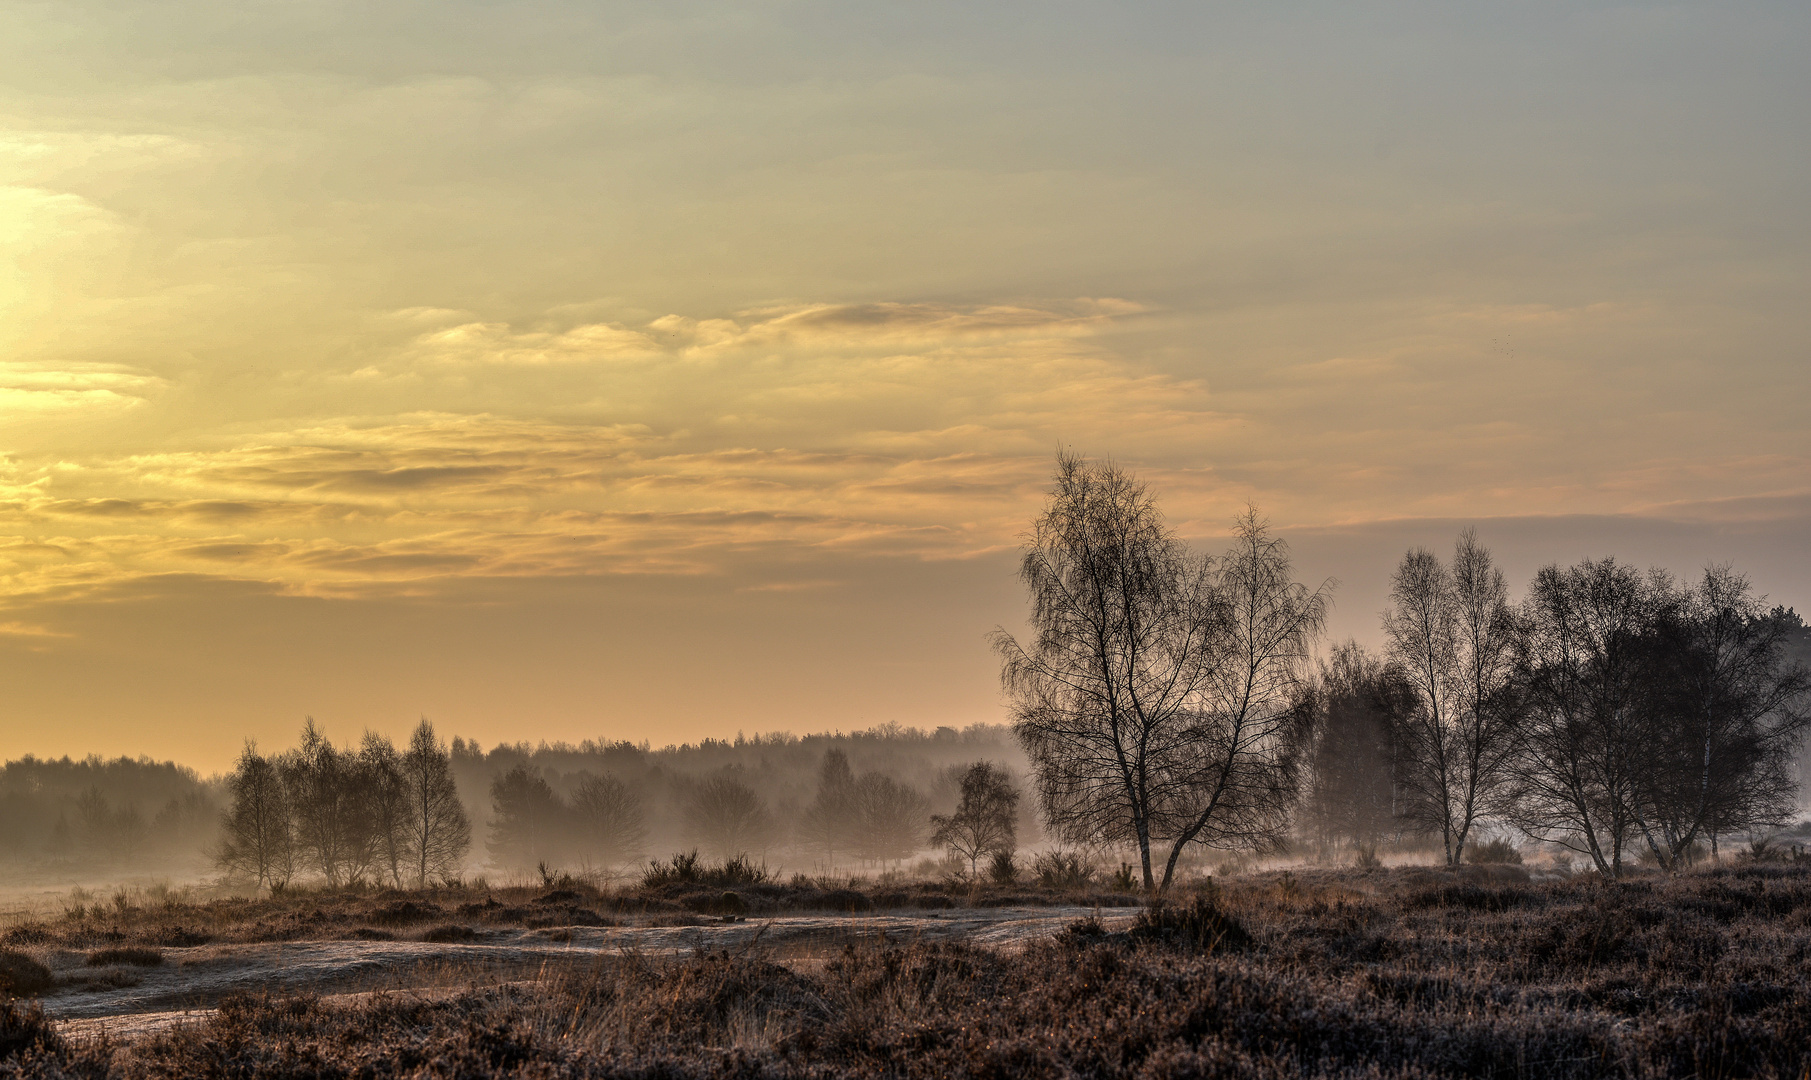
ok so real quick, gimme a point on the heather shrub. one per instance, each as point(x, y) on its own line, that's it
point(1062, 870)
point(22, 976)
point(450, 934)
point(1496, 851)
point(681, 869)
point(1199, 924)
point(133, 955)
point(689, 869)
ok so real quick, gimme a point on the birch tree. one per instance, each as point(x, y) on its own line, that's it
point(1451, 632)
point(438, 832)
point(1157, 696)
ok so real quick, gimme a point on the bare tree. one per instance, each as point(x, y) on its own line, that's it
point(1156, 699)
point(1234, 777)
point(255, 830)
point(890, 818)
point(526, 818)
point(437, 831)
point(1452, 633)
point(1726, 717)
point(984, 821)
point(1581, 741)
point(828, 823)
point(384, 801)
point(610, 818)
point(726, 817)
point(326, 806)
point(1361, 703)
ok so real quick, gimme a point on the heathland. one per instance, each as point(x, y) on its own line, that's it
point(1405, 971)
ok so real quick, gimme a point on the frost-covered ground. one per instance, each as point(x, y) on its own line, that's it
point(191, 979)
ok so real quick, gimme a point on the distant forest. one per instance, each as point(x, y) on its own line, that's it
point(94, 817)
point(64, 816)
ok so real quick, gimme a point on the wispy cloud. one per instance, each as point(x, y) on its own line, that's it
point(908, 430)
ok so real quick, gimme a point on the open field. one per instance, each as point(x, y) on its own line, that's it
point(1405, 972)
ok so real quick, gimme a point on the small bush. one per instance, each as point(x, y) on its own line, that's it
point(26, 1032)
point(1001, 870)
point(681, 869)
point(1498, 852)
point(1367, 859)
point(1125, 879)
point(1083, 930)
point(401, 912)
point(1062, 870)
point(130, 954)
point(21, 976)
point(1201, 925)
point(450, 934)
point(106, 979)
point(737, 871)
point(688, 869)
point(844, 900)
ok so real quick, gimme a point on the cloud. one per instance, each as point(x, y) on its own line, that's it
point(28, 389)
point(15, 628)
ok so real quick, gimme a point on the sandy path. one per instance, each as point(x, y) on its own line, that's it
point(191, 979)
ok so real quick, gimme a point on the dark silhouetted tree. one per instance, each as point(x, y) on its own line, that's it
point(984, 823)
point(1351, 772)
point(1161, 697)
point(1725, 715)
point(725, 816)
point(1581, 741)
point(526, 818)
point(1452, 634)
point(255, 828)
point(436, 829)
point(828, 824)
point(611, 823)
point(384, 803)
point(332, 830)
point(890, 818)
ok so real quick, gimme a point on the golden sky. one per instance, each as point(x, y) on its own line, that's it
point(565, 370)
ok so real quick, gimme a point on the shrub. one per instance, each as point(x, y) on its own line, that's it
point(130, 954)
point(845, 900)
point(1062, 870)
point(450, 934)
point(1498, 851)
point(1200, 924)
point(25, 1032)
point(737, 871)
point(1001, 870)
point(401, 912)
point(689, 869)
point(1367, 859)
point(21, 976)
point(1125, 879)
point(1083, 930)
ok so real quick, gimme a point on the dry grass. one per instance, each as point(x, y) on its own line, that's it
point(181, 920)
point(1381, 974)
point(132, 955)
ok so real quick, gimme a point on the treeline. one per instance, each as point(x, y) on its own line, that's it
point(816, 802)
point(119, 814)
point(1611, 711)
point(821, 802)
point(1170, 699)
point(345, 815)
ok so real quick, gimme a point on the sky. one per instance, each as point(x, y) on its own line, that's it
point(593, 370)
